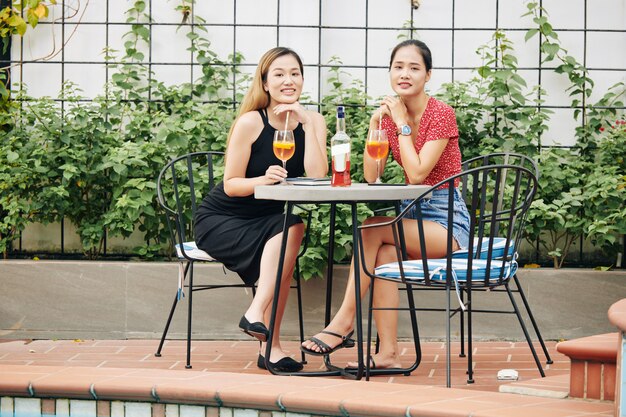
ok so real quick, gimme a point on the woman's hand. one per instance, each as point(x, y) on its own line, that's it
point(397, 110)
point(298, 112)
point(274, 174)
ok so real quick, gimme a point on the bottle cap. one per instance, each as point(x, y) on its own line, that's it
point(341, 112)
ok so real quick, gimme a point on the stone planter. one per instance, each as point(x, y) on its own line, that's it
point(119, 300)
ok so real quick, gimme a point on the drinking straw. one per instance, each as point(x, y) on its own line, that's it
point(287, 121)
point(380, 120)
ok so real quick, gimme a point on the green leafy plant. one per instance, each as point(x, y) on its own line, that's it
point(95, 164)
point(12, 22)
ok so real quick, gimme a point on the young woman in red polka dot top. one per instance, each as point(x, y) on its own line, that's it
point(424, 140)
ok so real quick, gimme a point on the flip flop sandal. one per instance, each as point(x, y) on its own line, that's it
point(346, 342)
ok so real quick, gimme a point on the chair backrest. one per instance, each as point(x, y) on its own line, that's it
point(182, 184)
point(497, 198)
point(500, 158)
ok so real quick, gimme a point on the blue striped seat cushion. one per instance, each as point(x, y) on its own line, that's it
point(499, 243)
point(413, 270)
point(192, 251)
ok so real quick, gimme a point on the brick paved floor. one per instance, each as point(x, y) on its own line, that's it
point(240, 356)
point(125, 358)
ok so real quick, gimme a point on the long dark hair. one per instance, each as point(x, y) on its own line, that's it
point(421, 47)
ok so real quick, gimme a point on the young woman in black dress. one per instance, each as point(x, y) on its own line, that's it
point(245, 233)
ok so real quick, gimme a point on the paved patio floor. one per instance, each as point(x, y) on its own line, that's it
point(240, 357)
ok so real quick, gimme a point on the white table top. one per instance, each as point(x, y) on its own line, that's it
point(355, 192)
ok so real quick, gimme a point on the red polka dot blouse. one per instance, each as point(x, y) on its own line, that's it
point(438, 122)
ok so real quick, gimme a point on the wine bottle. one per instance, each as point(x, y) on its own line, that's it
point(340, 152)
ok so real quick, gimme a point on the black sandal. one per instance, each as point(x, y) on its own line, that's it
point(346, 342)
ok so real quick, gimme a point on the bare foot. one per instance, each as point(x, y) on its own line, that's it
point(380, 361)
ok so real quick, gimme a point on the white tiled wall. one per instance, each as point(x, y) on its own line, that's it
point(84, 408)
point(27, 407)
point(62, 407)
point(31, 407)
point(6, 406)
point(361, 33)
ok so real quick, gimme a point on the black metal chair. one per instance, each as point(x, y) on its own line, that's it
point(494, 234)
point(506, 158)
point(181, 185)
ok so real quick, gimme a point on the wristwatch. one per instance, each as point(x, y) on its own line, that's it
point(404, 130)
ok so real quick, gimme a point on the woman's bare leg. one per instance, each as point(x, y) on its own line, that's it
point(343, 322)
point(376, 248)
point(261, 306)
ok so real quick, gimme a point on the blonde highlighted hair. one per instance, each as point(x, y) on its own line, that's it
point(256, 97)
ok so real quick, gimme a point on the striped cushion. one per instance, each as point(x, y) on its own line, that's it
point(499, 243)
point(413, 270)
point(192, 251)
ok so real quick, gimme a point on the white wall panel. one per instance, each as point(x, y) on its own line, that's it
point(561, 128)
point(215, 11)
point(475, 14)
point(388, 13)
point(311, 80)
point(440, 45)
point(94, 12)
point(256, 12)
point(433, 14)
point(39, 44)
point(566, 14)
point(347, 44)
point(380, 43)
point(170, 44)
point(302, 40)
point(173, 74)
point(606, 14)
point(42, 79)
point(221, 38)
point(117, 10)
point(165, 12)
point(606, 49)
point(86, 44)
point(230, 26)
point(509, 13)
point(378, 84)
point(304, 13)
point(466, 42)
point(527, 53)
point(555, 86)
point(603, 81)
point(437, 78)
point(343, 13)
point(253, 42)
point(90, 78)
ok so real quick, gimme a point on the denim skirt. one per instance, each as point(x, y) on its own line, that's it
point(435, 209)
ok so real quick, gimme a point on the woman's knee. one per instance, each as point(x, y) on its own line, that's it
point(386, 254)
point(376, 231)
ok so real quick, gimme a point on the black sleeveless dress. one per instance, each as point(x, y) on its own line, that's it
point(234, 230)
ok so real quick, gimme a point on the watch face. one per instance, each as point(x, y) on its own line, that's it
point(405, 130)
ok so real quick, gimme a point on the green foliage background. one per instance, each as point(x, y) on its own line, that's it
point(95, 164)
